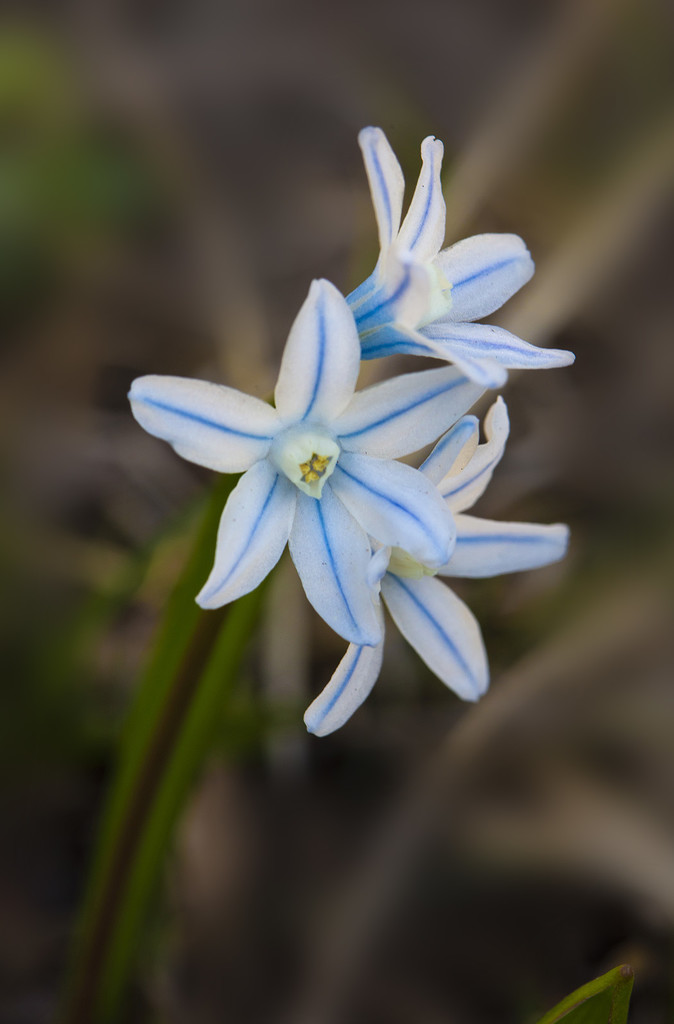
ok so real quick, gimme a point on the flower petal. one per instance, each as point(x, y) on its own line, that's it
point(350, 684)
point(378, 567)
point(442, 630)
point(320, 363)
point(394, 339)
point(387, 184)
point(253, 532)
point(401, 295)
point(487, 548)
point(332, 554)
point(210, 424)
point(484, 271)
point(453, 451)
point(405, 413)
point(495, 347)
point(423, 229)
point(461, 490)
point(396, 505)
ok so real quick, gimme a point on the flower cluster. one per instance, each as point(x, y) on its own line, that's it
point(319, 467)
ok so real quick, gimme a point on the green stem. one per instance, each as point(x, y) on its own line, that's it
point(83, 995)
point(171, 729)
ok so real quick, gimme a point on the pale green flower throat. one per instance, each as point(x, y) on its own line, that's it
point(307, 456)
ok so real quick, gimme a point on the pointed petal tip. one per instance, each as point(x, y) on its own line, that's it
point(443, 552)
point(349, 686)
point(497, 419)
point(480, 690)
point(321, 284)
point(315, 724)
point(321, 289)
point(526, 260)
point(206, 598)
point(139, 391)
point(564, 538)
point(503, 379)
point(508, 238)
point(490, 376)
point(317, 727)
point(135, 390)
point(561, 356)
point(500, 408)
point(432, 146)
point(473, 688)
point(369, 133)
point(321, 359)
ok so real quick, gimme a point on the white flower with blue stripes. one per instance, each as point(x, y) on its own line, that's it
point(318, 469)
point(421, 299)
point(436, 623)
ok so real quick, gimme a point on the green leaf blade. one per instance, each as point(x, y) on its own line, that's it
point(171, 731)
point(602, 1001)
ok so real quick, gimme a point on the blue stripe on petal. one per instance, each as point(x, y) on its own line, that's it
point(423, 230)
point(402, 510)
point(320, 355)
point(442, 633)
point(442, 458)
point(254, 528)
point(457, 285)
point(482, 341)
point(349, 686)
point(380, 309)
point(321, 360)
point(401, 410)
point(332, 554)
point(388, 340)
point(487, 548)
point(210, 424)
point(363, 292)
point(380, 496)
point(253, 532)
point(451, 492)
point(345, 682)
point(484, 271)
point(495, 538)
point(207, 596)
point(383, 189)
point(386, 182)
point(402, 414)
point(203, 420)
point(424, 217)
point(333, 565)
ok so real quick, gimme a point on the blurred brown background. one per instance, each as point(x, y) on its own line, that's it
point(172, 176)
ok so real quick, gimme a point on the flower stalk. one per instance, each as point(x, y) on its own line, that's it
point(172, 729)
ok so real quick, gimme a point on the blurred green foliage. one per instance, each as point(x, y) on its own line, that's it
point(67, 182)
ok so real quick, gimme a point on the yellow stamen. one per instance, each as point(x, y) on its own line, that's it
point(307, 456)
point(315, 468)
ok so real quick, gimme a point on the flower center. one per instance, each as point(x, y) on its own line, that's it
point(307, 456)
point(402, 564)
